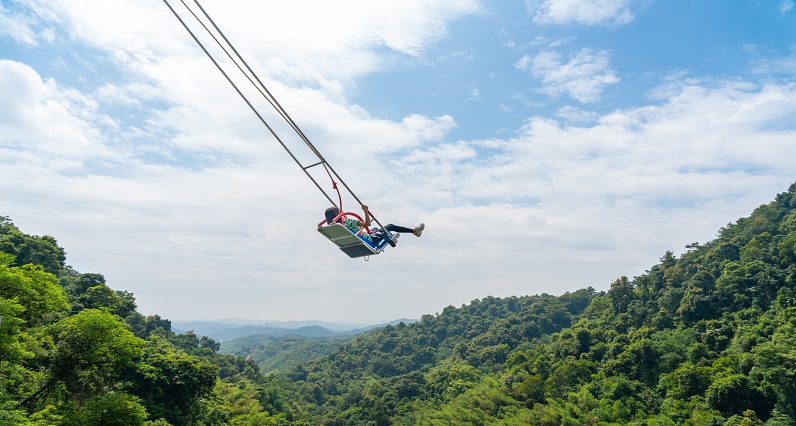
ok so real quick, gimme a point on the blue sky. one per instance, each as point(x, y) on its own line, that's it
point(548, 145)
point(477, 76)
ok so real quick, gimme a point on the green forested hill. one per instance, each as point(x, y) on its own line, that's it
point(75, 352)
point(284, 350)
point(281, 353)
point(708, 338)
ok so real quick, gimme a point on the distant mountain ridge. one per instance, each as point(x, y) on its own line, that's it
point(285, 349)
point(226, 330)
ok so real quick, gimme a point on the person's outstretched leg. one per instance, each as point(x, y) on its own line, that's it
point(395, 228)
point(417, 230)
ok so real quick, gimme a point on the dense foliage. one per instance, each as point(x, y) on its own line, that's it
point(708, 338)
point(281, 353)
point(75, 352)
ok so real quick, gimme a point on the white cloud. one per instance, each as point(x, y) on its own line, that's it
point(325, 41)
point(647, 153)
point(637, 178)
point(583, 12)
point(159, 177)
point(39, 118)
point(21, 26)
point(785, 64)
point(512, 212)
point(583, 77)
point(308, 59)
point(785, 6)
point(574, 115)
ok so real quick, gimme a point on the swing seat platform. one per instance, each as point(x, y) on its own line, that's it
point(350, 243)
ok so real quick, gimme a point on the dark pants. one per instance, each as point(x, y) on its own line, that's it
point(396, 228)
point(378, 234)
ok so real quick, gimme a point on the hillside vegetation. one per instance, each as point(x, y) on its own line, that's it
point(289, 347)
point(281, 353)
point(708, 338)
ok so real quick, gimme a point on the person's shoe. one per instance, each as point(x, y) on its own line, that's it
point(418, 231)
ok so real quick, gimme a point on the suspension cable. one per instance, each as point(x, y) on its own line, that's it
point(245, 99)
point(268, 96)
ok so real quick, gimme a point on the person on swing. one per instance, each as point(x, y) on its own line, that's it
point(376, 235)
